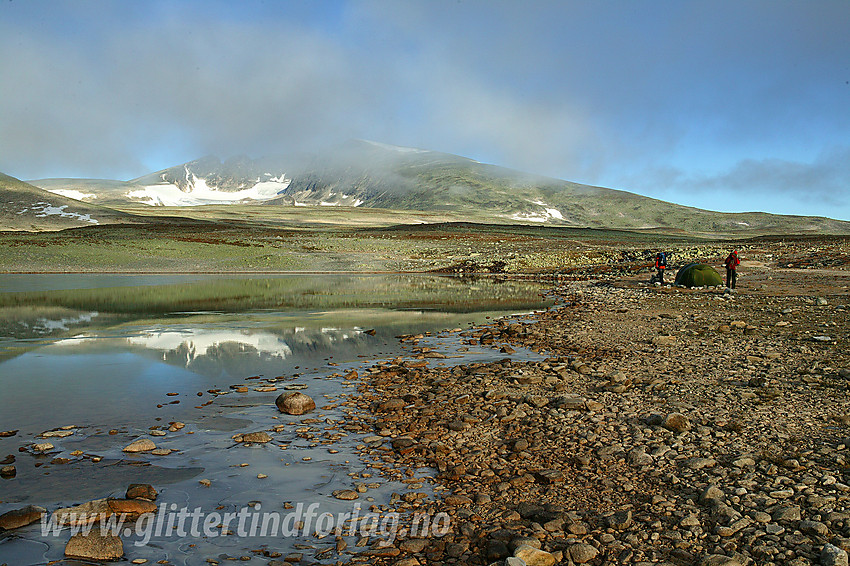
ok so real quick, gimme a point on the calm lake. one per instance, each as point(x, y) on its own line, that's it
point(115, 358)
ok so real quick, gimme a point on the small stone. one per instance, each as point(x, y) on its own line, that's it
point(712, 495)
point(814, 528)
point(8, 472)
point(720, 560)
point(260, 437)
point(42, 447)
point(345, 494)
point(664, 341)
point(620, 520)
point(786, 513)
point(583, 553)
point(140, 445)
point(676, 422)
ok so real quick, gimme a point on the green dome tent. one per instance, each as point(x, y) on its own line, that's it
point(698, 275)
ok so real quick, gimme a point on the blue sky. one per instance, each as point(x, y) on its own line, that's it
point(726, 105)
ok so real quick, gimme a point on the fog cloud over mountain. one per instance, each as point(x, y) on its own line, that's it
point(603, 93)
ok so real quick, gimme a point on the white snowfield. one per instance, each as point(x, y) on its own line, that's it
point(45, 209)
point(545, 215)
point(200, 193)
point(73, 193)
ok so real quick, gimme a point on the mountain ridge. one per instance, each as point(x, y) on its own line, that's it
point(374, 175)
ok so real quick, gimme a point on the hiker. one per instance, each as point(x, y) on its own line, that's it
point(732, 262)
point(661, 265)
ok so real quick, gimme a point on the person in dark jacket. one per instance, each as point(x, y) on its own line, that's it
point(732, 262)
point(660, 265)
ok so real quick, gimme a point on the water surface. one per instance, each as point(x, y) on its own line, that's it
point(114, 356)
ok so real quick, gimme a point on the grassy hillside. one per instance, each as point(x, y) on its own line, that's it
point(26, 207)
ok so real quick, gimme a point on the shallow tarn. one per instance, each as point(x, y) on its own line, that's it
point(120, 381)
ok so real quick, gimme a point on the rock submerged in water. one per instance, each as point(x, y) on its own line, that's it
point(21, 517)
point(94, 546)
point(295, 403)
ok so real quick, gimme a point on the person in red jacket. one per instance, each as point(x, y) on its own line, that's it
point(660, 265)
point(732, 262)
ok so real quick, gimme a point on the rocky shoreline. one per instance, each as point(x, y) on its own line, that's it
point(665, 427)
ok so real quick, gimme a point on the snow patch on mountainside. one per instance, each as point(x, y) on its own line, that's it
point(547, 213)
point(200, 193)
point(44, 209)
point(73, 193)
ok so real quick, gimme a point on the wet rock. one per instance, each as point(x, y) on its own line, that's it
point(94, 546)
point(8, 472)
point(260, 437)
point(131, 507)
point(21, 517)
point(345, 494)
point(41, 447)
point(295, 403)
point(140, 445)
point(84, 514)
point(141, 491)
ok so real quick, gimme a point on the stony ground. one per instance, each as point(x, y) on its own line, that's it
point(666, 426)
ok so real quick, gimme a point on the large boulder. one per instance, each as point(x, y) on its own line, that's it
point(294, 403)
